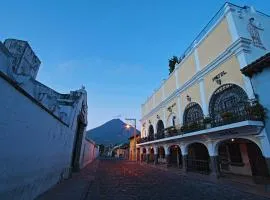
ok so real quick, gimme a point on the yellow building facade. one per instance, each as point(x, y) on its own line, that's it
point(133, 154)
point(201, 118)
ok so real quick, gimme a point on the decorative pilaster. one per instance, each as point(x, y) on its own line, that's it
point(176, 77)
point(155, 159)
point(231, 22)
point(184, 163)
point(164, 117)
point(197, 61)
point(203, 99)
point(147, 155)
point(155, 155)
point(184, 157)
point(214, 169)
point(167, 155)
point(247, 82)
point(180, 114)
point(214, 160)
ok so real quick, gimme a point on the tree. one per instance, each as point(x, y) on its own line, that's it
point(172, 62)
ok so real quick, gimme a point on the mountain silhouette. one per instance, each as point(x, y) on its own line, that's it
point(111, 133)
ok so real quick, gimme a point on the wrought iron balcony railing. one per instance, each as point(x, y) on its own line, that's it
point(248, 112)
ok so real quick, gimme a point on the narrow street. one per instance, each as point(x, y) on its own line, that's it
point(118, 179)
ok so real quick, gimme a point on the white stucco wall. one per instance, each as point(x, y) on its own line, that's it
point(241, 19)
point(36, 147)
point(89, 152)
point(261, 85)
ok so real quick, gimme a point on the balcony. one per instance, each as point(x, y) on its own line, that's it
point(233, 116)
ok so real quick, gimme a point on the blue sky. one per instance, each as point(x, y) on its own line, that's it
point(117, 49)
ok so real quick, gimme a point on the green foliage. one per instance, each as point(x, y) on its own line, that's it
point(194, 126)
point(172, 62)
point(258, 111)
point(227, 115)
point(207, 120)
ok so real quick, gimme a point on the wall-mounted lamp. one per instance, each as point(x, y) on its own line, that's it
point(218, 81)
point(188, 98)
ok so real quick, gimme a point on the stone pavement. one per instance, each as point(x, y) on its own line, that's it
point(111, 179)
point(76, 187)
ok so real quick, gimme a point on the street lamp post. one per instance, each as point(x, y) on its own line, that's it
point(134, 135)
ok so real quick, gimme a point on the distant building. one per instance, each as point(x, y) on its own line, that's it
point(203, 117)
point(42, 131)
point(132, 148)
point(121, 151)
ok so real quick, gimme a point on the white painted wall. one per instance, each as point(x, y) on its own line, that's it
point(90, 152)
point(36, 148)
point(36, 140)
point(241, 19)
point(261, 85)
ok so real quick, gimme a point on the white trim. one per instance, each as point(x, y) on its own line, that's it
point(231, 23)
point(247, 82)
point(163, 92)
point(208, 131)
point(179, 110)
point(176, 79)
point(164, 117)
point(197, 60)
point(242, 44)
point(203, 98)
point(154, 100)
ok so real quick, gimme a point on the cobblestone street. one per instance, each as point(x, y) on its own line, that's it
point(118, 179)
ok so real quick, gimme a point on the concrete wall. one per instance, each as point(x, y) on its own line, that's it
point(36, 147)
point(90, 152)
point(261, 85)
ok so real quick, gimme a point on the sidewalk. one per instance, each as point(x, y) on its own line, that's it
point(238, 183)
point(76, 187)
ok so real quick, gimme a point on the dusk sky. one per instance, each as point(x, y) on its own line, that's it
point(117, 49)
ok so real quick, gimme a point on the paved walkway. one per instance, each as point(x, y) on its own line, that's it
point(118, 179)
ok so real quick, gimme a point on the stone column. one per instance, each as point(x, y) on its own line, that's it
point(167, 155)
point(184, 163)
point(155, 155)
point(156, 159)
point(168, 159)
point(214, 169)
point(184, 156)
point(147, 155)
point(213, 162)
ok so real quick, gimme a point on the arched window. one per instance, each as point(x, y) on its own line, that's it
point(193, 113)
point(228, 98)
point(160, 129)
point(151, 132)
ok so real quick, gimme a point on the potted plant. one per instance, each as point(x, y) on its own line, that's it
point(207, 122)
point(184, 128)
point(257, 111)
point(227, 116)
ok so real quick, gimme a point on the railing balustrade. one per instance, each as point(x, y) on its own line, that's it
point(233, 115)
